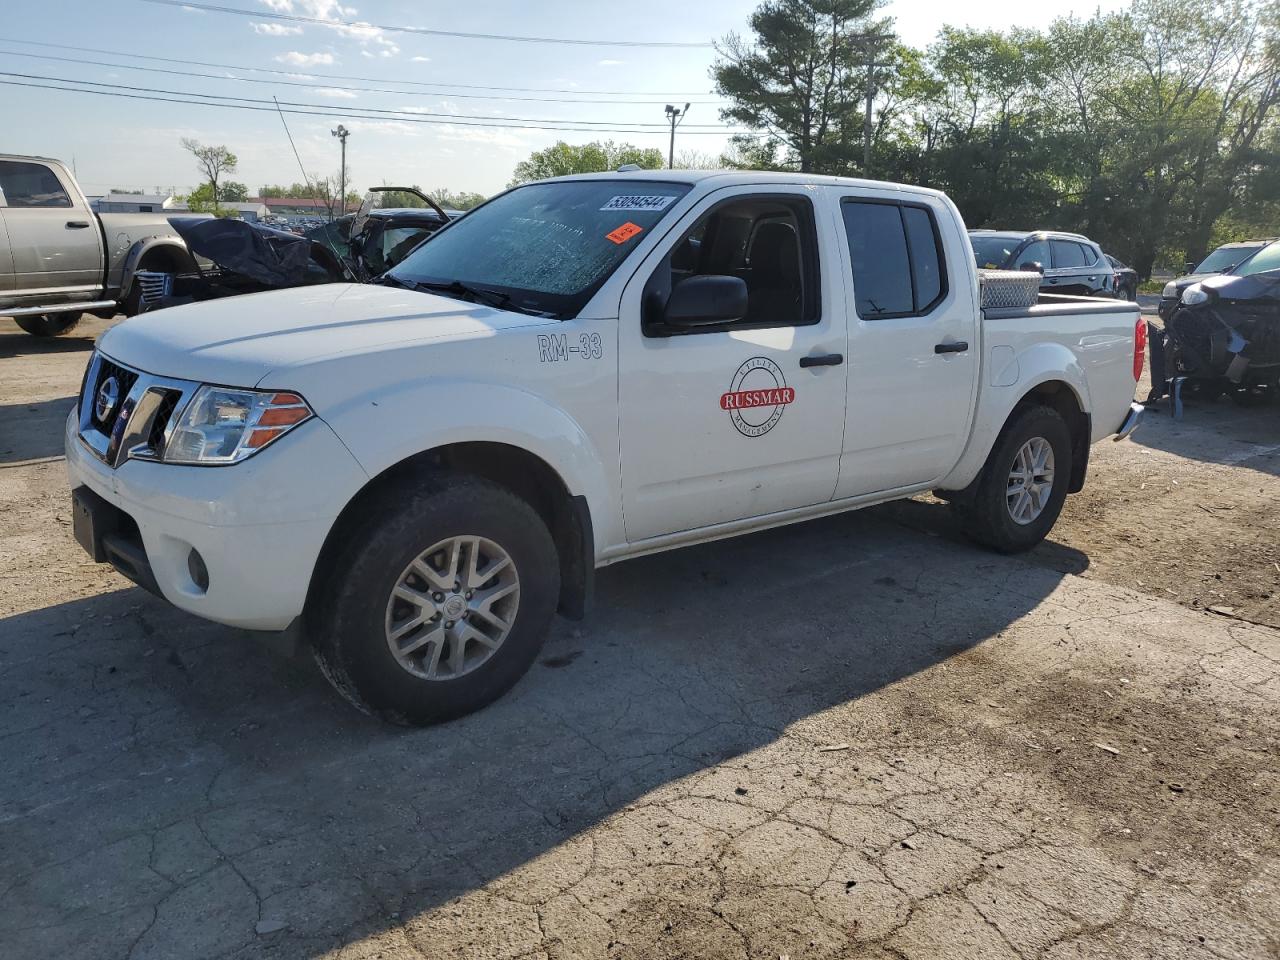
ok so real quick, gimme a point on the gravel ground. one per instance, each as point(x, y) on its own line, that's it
point(856, 737)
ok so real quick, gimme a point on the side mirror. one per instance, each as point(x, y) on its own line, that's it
point(1189, 266)
point(706, 301)
point(1031, 266)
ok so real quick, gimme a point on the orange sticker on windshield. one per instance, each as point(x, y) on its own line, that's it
point(624, 232)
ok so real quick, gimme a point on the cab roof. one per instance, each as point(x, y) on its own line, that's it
point(733, 178)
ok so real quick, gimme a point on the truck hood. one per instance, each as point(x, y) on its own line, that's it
point(237, 341)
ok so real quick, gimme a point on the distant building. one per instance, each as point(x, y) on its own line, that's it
point(296, 206)
point(250, 210)
point(137, 203)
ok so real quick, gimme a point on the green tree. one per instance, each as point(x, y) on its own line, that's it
point(562, 159)
point(211, 161)
point(801, 79)
point(457, 199)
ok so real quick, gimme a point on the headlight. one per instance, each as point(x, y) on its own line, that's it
point(1170, 291)
point(221, 425)
point(1195, 294)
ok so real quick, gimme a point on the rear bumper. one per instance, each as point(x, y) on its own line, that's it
point(257, 526)
point(1131, 421)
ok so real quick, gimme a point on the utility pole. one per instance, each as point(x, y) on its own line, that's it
point(342, 133)
point(870, 42)
point(674, 116)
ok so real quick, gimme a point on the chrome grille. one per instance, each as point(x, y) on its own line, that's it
point(139, 422)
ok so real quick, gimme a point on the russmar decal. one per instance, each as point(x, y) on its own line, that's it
point(756, 397)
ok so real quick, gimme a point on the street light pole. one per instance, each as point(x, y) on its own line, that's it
point(342, 133)
point(674, 116)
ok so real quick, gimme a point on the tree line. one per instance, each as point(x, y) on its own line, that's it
point(1152, 130)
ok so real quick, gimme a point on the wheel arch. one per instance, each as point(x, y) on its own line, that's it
point(1056, 392)
point(527, 475)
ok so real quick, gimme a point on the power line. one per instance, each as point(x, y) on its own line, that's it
point(339, 112)
point(365, 112)
point(424, 31)
point(313, 84)
point(335, 76)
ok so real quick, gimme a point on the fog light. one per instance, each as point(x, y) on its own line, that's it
point(199, 572)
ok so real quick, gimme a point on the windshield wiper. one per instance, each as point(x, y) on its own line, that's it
point(494, 298)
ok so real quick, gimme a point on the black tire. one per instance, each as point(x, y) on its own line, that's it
point(985, 517)
point(349, 631)
point(49, 324)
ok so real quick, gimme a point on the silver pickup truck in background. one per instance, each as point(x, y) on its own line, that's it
point(59, 259)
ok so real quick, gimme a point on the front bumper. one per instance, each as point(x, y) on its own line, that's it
point(258, 526)
point(1131, 421)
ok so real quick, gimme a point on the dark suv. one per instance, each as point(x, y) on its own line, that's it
point(1068, 262)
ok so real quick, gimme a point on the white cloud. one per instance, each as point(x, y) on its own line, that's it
point(494, 136)
point(296, 59)
point(610, 63)
point(421, 59)
point(331, 12)
point(276, 30)
point(336, 92)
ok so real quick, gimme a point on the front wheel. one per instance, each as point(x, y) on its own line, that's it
point(49, 324)
point(1023, 484)
point(440, 604)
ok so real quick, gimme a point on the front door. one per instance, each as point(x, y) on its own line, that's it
point(743, 419)
point(913, 350)
point(56, 246)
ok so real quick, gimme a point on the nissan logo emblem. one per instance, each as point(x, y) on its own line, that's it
point(108, 396)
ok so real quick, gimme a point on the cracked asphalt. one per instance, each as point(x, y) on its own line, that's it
point(857, 737)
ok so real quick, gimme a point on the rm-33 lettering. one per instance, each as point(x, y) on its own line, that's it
point(553, 347)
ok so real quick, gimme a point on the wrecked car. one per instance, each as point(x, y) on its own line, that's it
point(235, 257)
point(1222, 338)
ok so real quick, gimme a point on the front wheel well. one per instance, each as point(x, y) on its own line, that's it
point(526, 475)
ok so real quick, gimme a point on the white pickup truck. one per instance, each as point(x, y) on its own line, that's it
point(419, 473)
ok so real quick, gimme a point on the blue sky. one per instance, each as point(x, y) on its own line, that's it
point(135, 143)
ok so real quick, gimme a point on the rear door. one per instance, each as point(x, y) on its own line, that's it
point(54, 242)
point(743, 419)
point(1074, 271)
point(913, 352)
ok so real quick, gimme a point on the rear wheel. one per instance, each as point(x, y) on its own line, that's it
point(49, 324)
point(441, 604)
point(1023, 485)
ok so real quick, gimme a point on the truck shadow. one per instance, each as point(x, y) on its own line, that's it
point(18, 343)
point(153, 757)
point(33, 431)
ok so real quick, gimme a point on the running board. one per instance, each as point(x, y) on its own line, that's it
point(56, 308)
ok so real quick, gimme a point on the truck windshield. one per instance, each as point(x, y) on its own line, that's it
point(546, 246)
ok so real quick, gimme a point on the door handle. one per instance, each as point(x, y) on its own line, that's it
point(956, 346)
point(822, 360)
point(77, 224)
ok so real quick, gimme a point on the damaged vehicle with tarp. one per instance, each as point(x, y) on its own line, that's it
point(1223, 337)
point(234, 257)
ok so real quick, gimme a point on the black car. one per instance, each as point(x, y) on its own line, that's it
point(1224, 334)
point(1126, 283)
point(1069, 263)
point(1230, 258)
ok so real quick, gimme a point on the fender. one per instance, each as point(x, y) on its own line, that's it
point(175, 248)
point(397, 422)
point(1040, 363)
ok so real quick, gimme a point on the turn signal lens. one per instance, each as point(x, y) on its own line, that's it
point(221, 425)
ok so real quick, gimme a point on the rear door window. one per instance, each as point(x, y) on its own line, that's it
point(898, 269)
point(31, 185)
point(1067, 254)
